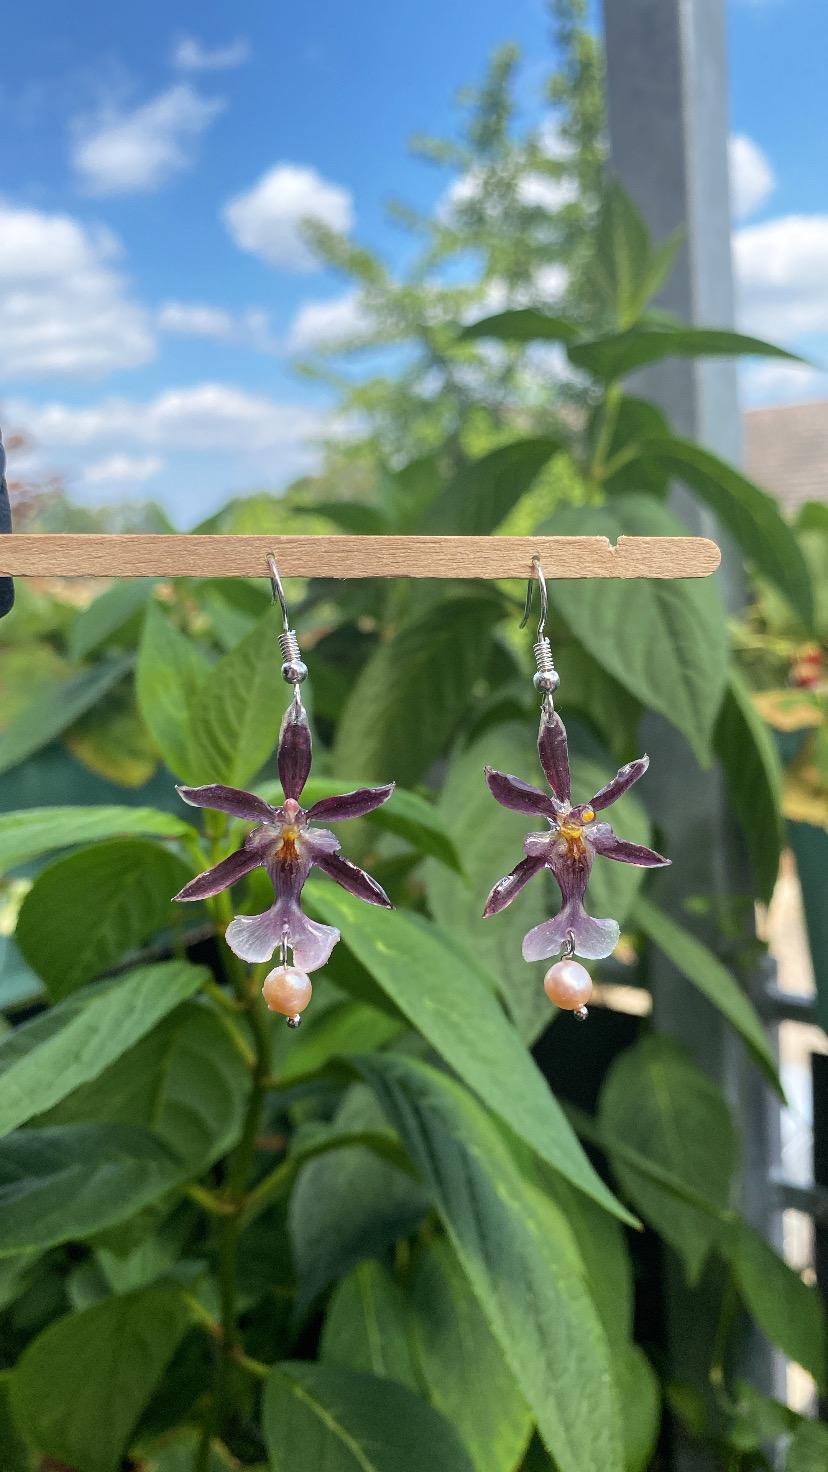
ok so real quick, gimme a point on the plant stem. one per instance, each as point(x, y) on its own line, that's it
point(230, 1223)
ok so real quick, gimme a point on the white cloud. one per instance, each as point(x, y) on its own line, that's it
point(268, 218)
point(120, 470)
point(326, 323)
point(250, 328)
point(123, 152)
point(752, 180)
point(64, 309)
point(782, 383)
point(191, 55)
point(782, 277)
point(203, 417)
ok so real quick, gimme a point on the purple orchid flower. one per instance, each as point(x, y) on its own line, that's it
point(284, 843)
point(568, 848)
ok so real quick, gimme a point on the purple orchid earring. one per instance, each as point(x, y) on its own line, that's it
point(288, 847)
point(569, 845)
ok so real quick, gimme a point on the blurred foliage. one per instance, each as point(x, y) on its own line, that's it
point(381, 1242)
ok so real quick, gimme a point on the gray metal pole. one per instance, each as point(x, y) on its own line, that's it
point(667, 87)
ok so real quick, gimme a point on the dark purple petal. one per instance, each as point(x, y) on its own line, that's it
point(231, 800)
point(505, 890)
point(349, 804)
point(511, 792)
point(214, 880)
point(553, 751)
point(354, 879)
point(294, 755)
point(604, 842)
point(621, 782)
point(319, 841)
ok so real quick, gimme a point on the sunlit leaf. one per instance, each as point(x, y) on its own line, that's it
point(56, 707)
point(108, 614)
point(788, 1310)
point(31, 832)
point(171, 669)
point(485, 490)
point(753, 773)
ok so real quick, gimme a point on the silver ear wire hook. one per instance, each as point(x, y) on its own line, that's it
point(546, 678)
point(294, 669)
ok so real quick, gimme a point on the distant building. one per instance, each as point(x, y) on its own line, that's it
point(786, 452)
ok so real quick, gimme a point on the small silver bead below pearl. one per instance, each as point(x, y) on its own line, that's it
point(569, 985)
point(295, 1020)
point(581, 1014)
point(294, 671)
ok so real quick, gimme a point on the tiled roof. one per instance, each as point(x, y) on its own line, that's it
point(786, 451)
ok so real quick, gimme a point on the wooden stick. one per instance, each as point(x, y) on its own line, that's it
point(24, 554)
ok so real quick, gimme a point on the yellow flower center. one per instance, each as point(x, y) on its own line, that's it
point(587, 815)
point(290, 833)
point(570, 831)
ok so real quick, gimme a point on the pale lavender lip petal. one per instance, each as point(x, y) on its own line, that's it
point(505, 890)
point(312, 942)
point(605, 843)
point(354, 879)
point(621, 783)
point(231, 800)
point(349, 804)
point(513, 793)
point(593, 939)
point(553, 750)
point(214, 880)
point(255, 937)
point(317, 842)
point(295, 753)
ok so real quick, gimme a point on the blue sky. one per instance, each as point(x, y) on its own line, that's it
point(156, 162)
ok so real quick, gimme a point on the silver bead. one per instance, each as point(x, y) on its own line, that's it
point(294, 671)
point(580, 1014)
point(546, 680)
point(295, 1020)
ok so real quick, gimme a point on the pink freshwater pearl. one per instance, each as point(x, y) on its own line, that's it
point(568, 984)
point(287, 990)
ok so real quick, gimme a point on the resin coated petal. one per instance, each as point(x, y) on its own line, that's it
point(521, 797)
point(221, 876)
point(317, 843)
point(505, 890)
point(621, 783)
point(255, 937)
point(354, 879)
point(604, 842)
point(553, 750)
point(232, 800)
point(593, 939)
point(295, 752)
point(349, 804)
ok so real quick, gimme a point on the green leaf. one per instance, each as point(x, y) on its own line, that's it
point(452, 1005)
point(659, 1104)
point(177, 1453)
point(317, 1416)
point(523, 324)
point(81, 1385)
point(462, 1365)
point(108, 614)
point(615, 356)
point(45, 1059)
point(63, 1184)
point(808, 1451)
point(476, 501)
point(787, 1310)
point(171, 670)
point(349, 1205)
point(87, 910)
point(751, 516)
point(753, 772)
point(345, 1028)
point(366, 1326)
point(664, 640)
point(640, 1395)
point(704, 970)
point(55, 708)
point(185, 1081)
point(517, 1250)
point(31, 832)
point(16, 1455)
point(428, 667)
point(627, 269)
point(236, 712)
point(491, 842)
